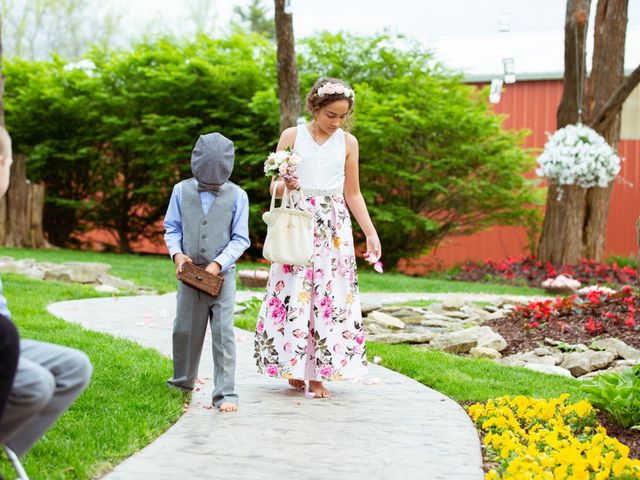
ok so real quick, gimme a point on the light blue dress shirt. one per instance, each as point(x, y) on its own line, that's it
point(239, 225)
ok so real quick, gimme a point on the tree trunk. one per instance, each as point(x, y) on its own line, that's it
point(288, 88)
point(21, 210)
point(562, 231)
point(604, 93)
point(607, 74)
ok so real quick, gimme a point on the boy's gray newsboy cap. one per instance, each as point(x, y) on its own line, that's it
point(212, 159)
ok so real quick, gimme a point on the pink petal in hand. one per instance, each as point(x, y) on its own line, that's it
point(378, 267)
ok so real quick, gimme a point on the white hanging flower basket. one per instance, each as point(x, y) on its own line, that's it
point(578, 155)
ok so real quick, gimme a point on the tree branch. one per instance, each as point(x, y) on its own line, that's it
point(615, 102)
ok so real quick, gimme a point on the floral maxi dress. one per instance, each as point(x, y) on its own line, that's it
point(310, 323)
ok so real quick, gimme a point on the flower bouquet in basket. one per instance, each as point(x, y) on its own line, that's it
point(282, 163)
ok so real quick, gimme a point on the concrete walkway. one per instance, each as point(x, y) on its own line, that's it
point(386, 427)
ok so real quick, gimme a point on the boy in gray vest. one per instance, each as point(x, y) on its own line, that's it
point(207, 223)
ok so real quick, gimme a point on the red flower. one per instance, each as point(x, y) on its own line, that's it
point(630, 322)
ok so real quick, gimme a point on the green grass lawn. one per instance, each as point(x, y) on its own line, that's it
point(126, 405)
point(158, 272)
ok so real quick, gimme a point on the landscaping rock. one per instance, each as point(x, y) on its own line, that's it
point(367, 308)
point(484, 352)
point(453, 302)
point(618, 347)
point(385, 320)
point(550, 369)
point(580, 363)
point(393, 338)
point(462, 341)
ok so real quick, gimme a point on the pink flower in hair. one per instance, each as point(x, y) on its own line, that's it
point(329, 88)
point(339, 88)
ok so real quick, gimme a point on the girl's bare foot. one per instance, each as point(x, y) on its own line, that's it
point(228, 407)
point(297, 384)
point(319, 389)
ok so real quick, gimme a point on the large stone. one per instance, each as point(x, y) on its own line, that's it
point(407, 315)
point(401, 337)
point(385, 320)
point(367, 308)
point(484, 352)
point(579, 363)
point(462, 341)
point(512, 360)
point(531, 357)
point(618, 347)
point(615, 369)
point(453, 302)
point(76, 272)
point(550, 369)
point(446, 324)
point(457, 314)
point(436, 316)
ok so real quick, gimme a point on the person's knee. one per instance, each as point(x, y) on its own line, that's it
point(80, 367)
point(39, 392)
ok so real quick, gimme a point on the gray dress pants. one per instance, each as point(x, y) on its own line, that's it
point(49, 378)
point(195, 310)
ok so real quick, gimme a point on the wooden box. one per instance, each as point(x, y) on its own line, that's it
point(199, 278)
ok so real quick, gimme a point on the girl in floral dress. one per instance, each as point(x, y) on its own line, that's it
point(310, 323)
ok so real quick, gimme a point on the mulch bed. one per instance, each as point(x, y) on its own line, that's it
point(521, 339)
point(576, 320)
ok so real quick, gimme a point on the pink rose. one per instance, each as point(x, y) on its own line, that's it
point(298, 333)
point(287, 347)
point(329, 88)
point(339, 88)
point(293, 361)
point(274, 302)
point(326, 371)
point(286, 268)
point(347, 334)
point(360, 338)
point(326, 314)
point(309, 274)
point(272, 370)
point(279, 286)
point(260, 327)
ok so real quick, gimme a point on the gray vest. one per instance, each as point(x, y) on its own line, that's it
point(204, 237)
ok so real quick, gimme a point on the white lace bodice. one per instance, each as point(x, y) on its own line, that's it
point(321, 169)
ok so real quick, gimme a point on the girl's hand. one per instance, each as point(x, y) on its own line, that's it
point(292, 183)
point(374, 249)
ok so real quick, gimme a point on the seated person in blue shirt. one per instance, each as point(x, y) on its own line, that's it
point(207, 223)
point(48, 378)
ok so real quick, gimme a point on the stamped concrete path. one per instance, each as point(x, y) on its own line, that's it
point(386, 427)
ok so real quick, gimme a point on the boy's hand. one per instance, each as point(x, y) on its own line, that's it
point(180, 259)
point(214, 267)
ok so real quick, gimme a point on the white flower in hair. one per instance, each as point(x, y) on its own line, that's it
point(321, 92)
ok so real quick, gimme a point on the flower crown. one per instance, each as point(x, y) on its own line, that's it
point(335, 89)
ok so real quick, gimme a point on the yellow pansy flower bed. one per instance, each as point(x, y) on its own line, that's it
point(527, 438)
